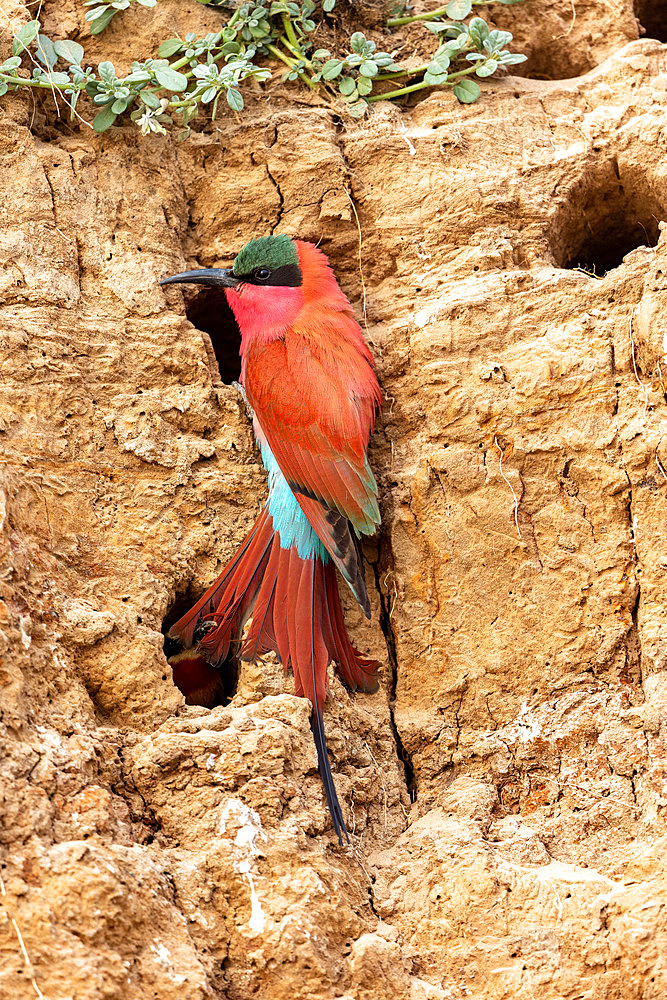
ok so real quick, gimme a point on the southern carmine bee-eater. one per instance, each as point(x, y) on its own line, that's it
point(309, 378)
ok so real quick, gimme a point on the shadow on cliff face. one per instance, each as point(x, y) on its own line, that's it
point(652, 17)
point(210, 312)
point(608, 213)
point(198, 682)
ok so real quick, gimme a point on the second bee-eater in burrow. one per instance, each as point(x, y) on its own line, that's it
point(309, 377)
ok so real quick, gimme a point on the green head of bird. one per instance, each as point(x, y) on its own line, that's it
point(269, 260)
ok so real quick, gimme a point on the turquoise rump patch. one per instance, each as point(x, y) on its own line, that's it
point(289, 521)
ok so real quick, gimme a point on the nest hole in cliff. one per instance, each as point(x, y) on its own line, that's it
point(198, 682)
point(652, 17)
point(209, 311)
point(605, 216)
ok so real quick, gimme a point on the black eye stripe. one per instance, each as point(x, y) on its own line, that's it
point(288, 274)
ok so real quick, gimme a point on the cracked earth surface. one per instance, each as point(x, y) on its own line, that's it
point(505, 789)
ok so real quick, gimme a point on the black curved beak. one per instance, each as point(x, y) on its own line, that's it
point(216, 276)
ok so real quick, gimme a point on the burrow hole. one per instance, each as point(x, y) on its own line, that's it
point(652, 17)
point(606, 215)
point(209, 311)
point(199, 683)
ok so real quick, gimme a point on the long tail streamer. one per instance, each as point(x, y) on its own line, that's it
point(296, 611)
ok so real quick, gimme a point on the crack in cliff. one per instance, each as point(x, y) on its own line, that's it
point(389, 634)
point(281, 199)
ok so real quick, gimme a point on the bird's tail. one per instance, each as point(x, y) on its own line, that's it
point(296, 611)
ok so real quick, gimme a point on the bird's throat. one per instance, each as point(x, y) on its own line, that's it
point(264, 313)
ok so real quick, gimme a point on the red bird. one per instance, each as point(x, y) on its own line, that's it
point(309, 378)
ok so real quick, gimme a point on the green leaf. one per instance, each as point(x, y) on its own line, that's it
point(497, 40)
point(170, 78)
point(235, 100)
point(9, 65)
point(119, 106)
point(364, 85)
point(467, 91)
point(149, 99)
point(99, 23)
point(346, 85)
point(70, 51)
point(24, 37)
point(3, 88)
point(357, 41)
point(358, 110)
point(331, 69)
point(328, 6)
point(458, 9)
point(368, 68)
point(487, 68)
point(104, 119)
point(478, 30)
point(107, 72)
point(45, 51)
point(59, 79)
point(208, 95)
point(512, 58)
point(170, 47)
point(321, 54)
point(147, 3)
point(434, 79)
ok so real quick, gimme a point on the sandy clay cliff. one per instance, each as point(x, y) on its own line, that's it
point(506, 788)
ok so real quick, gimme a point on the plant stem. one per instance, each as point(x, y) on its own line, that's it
point(399, 93)
point(296, 52)
point(291, 34)
point(403, 72)
point(288, 62)
point(25, 82)
point(420, 86)
point(432, 15)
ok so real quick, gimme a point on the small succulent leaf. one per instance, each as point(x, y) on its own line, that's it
point(100, 23)
point(24, 37)
point(512, 58)
point(368, 68)
point(70, 51)
point(467, 91)
point(478, 30)
point(171, 79)
point(104, 119)
point(364, 85)
point(9, 65)
point(331, 69)
point(107, 72)
point(170, 47)
point(235, 100)
point(458, 9)
point(149, 99)
point(487, 68)
point(358, 110)
point(45, 51)
point(357, 41)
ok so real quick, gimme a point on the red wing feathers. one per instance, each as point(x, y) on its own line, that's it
point(315, 405)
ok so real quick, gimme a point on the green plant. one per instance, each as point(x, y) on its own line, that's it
point(190, 73)
point(105, 10)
